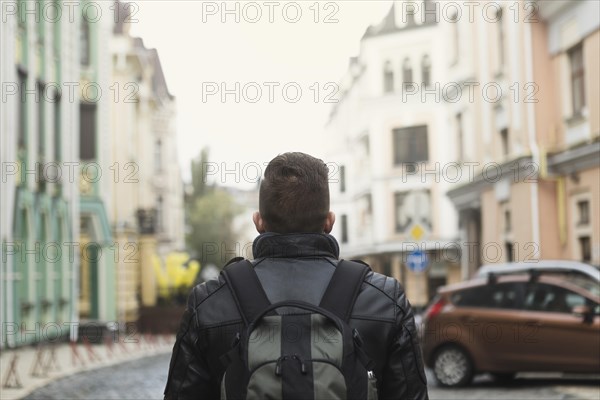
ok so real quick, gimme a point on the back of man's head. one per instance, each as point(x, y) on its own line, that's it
point(294, 194)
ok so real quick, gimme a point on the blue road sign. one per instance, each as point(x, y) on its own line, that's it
point(417, 261)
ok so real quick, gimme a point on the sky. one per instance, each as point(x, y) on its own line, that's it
point(284, 72)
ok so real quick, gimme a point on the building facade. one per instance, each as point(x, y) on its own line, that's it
point(387, 152)
point(569, 127)
point(39, 223)
point(492, 156)
point(98, 249)
point(535, 190)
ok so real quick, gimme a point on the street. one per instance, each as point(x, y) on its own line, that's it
point(145, 379)
point(142, 379)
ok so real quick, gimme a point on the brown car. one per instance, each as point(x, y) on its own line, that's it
point(511, 323)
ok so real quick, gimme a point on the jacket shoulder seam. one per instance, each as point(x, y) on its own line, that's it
point(208, 296)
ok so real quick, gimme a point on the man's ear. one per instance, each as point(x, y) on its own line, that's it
point(329, 221)
point(258, 222)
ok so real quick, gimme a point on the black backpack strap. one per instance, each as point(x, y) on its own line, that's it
point(248, 293)
point(342, 291)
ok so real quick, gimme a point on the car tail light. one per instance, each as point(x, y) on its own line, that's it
point(435, 309)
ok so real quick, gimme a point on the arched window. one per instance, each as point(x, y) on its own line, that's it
point(426, 71)
point(500, 23)
point(84, 42)
point(160, 214)
point(158, 165)
point(388, 77)
point(407, 75)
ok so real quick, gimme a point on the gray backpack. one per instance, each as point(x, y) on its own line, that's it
point(304, 351)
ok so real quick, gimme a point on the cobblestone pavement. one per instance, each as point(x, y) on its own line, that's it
point(145, 379)
point(142, 379)
point(523, 387)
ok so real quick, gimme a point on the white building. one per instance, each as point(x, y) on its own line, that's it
point(144, 151)
point(387, 139)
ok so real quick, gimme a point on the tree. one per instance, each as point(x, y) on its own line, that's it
point(211, 211)
point(199, 174)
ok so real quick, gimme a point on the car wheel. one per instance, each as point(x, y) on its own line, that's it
point(452, 367)
point(503, 377)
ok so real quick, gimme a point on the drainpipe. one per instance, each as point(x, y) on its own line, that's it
point(535, 152)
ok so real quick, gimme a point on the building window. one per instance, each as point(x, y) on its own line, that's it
point(410, 16)
point(87, 131)
point(386, 266)
point(84, 41)
point(41, 139)
point(504, 142)
point(388, 77)
point(410, 145)
point(407, 75)
point(344, 228)
point(158, 156)
point(455, 36)
point(56, 34)
point(403, 219)
point(159, 214)
point(426, 71)
point(22, 112)
point(430, 11)
point(583, 208)
point(507, 221)
point(501, 39)
point(342, 178)
point(412, 208)
point(577, 78)
point(40, 25)
point(57, 127)
point(509, 252)
point(460, 136)
point(585, 246)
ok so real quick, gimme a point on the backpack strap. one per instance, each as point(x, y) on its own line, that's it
point(248, 293)
point(342, 291)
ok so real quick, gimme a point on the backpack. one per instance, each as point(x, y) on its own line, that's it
point(309, 355)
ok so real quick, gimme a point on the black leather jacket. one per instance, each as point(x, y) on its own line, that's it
point(297, 266)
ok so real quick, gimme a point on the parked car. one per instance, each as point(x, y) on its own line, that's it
point(509, 323)
point(547, 266)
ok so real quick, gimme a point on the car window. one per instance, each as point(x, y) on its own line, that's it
point(544, 297)
point(501, 295)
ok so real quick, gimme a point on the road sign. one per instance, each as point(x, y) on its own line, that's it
point(417, 261)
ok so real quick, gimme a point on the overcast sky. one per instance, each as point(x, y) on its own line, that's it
point(199, 53)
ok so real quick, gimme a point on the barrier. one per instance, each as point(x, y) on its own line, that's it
point(75, 355)
point(37, 369)
point(11, 380)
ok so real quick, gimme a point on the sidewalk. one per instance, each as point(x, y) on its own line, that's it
point(25, 369)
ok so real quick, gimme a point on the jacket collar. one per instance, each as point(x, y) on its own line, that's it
point(295, 245)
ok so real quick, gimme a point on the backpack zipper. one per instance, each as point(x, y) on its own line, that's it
point(278, 365)
point(294, 356)
point(302, 365)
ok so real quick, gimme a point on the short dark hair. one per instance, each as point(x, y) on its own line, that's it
point(294, 194)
